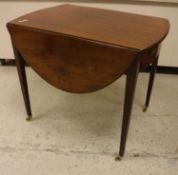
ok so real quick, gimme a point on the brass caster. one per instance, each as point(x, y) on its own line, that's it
point(118, 158)
point(145, 108)
point(29, 118)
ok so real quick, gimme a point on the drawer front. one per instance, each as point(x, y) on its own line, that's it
point(149, 56)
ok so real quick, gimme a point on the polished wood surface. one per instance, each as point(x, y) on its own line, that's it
point(110, 27)
point(82, 49)
point(70, 64)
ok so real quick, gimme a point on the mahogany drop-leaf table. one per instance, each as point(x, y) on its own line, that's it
point(81, 49)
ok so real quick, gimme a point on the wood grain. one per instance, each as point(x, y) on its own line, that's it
point(82, 49)
point(70, 64)
point(106, 26)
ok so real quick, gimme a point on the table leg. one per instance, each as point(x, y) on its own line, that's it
point(23, 81)
point(150, 84)
point(131, 81)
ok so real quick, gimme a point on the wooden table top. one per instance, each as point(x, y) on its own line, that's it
point(137, 32)
point(83, 49)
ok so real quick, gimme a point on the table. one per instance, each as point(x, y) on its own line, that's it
point(82, 49)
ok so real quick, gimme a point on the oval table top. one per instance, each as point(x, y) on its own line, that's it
point(82, 49)
point(123, 29)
